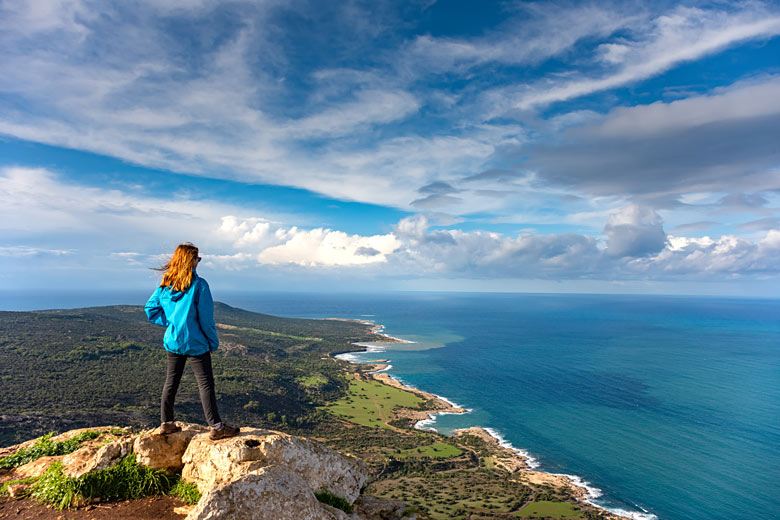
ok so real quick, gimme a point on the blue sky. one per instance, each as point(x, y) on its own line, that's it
point(522, 146)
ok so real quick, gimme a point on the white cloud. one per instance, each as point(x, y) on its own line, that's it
point(325, 247)
point(533, 35)
point(683, 35)
point(705, 257)
point(141, 231)
point(371, 107)
point(25, 251)
point(274, 244)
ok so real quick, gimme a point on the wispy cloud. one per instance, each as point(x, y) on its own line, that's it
point(683, 35)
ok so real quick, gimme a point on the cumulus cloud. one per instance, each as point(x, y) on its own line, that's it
point(274, 244)
point(634, 245)
point(724, 256)
point(634, 231)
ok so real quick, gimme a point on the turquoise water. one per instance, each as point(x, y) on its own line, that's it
point(670, 406)
point(667, 405)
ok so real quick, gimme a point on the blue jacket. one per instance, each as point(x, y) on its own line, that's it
point(189, 316)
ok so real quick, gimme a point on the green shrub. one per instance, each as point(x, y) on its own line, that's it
point(326, 497)
point(45, 447)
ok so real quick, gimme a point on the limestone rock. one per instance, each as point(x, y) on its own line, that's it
point(271, 493)
point(165, 451)
point(93, 457)
point(207, 463)
point(80, 461)
point(35, 468)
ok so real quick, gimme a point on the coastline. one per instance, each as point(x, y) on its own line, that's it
point(514, 460)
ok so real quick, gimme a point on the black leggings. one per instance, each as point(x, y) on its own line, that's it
point(204, 375)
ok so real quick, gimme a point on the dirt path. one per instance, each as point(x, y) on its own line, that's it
point(383, 418)
point(152, 508)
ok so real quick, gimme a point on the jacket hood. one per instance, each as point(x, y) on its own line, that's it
point(178, 295)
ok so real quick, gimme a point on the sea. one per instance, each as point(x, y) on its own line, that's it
point(664, 407)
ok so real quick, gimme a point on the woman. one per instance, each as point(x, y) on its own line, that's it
point(183, 303)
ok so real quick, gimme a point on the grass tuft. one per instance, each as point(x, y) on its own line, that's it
point(45, 447)
point(186, 492)
point(326, 497)
point(126, 480)
point(54, 488)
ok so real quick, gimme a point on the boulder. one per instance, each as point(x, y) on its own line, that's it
point(94, 457)
point(271, 493)
point(208, 463)
point(165, 451)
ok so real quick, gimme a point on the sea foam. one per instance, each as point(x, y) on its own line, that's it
point(595, 493)
point(529, 459)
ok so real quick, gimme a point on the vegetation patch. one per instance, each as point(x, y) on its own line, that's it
point(371, 403)
point(326, 497)
point(547, 509)
point(46, 447)
point(186, 492)
point(126, 480)
point(437, 450)
point(312, 381)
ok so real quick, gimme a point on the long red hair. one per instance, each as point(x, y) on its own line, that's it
point(178, 272)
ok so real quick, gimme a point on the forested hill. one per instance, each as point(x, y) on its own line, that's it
point(62, 369)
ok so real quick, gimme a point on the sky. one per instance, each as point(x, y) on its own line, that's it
point(392, 145)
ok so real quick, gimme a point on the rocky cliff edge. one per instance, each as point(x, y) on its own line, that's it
point(258, 475)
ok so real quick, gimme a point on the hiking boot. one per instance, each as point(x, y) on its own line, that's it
point(169, 427)
point(223, 433)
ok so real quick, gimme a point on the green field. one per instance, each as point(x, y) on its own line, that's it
point(547, 509)
point(371, 403)
point(437, 450)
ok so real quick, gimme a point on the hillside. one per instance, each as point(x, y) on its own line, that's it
point(64, 369)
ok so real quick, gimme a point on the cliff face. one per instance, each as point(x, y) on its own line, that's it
point(259, 474)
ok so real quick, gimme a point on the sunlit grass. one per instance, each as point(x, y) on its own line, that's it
point(367, 402)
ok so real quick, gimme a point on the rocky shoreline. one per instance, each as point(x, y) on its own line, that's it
point(507, 458)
